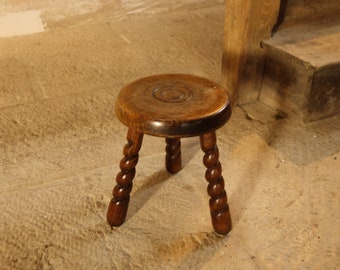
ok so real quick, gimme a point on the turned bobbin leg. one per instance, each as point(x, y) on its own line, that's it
point(173, 159)
point(119, 204)
point(219, 209)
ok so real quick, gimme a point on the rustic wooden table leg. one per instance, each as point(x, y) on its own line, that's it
point(119, 204)
point(219, 209)
point(173, 159)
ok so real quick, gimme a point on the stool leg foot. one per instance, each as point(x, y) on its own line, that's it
point(218, 203)
point(173, 159)
point(119, 204)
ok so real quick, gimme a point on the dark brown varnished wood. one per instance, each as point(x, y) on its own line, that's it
point(172, 106)
point(119, 204)
point(219, 209)
point(173, 159)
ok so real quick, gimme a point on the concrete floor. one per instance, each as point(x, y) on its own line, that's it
point(60, 145)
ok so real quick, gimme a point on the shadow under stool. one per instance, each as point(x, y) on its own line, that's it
point(172, 106)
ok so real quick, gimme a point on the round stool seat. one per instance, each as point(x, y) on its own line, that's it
point(175, 105)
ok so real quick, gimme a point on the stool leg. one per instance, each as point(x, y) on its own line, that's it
point(119, 204)
point(219, 209)
point(173, 159)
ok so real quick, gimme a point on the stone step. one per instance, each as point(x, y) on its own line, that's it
point(302, 70)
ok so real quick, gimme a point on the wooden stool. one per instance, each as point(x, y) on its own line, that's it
point(172, 106)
